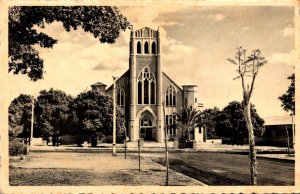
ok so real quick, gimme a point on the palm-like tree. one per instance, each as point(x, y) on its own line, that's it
point(187, 121)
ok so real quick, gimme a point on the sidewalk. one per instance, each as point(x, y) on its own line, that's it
point(263, 151)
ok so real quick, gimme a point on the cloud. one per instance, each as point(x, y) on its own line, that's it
point(288, 31)
point(177, 50)
point(287, 58)
point(218, 17)
point(246, 28)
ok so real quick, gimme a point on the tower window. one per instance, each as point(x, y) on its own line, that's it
point(171, 96)
point(146, 87)
point(153, 48)
point(152, 92)
point(139, 48)
point(146, 48)
point(139, 92)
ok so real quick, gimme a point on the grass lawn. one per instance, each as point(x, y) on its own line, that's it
point(229, 169)
point(89, 169)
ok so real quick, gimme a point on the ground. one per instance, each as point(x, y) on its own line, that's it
point(228, 168)
point(211, 168)
point(60, 168)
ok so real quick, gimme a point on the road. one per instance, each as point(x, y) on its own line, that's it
point(228, 169)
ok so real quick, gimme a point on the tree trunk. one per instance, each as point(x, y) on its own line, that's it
point(252, 151)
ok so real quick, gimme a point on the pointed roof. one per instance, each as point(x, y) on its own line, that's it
point(146, 28)
point(98, 84)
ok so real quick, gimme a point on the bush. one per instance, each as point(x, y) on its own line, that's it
point(185, 144)
point(119, 139)
point(16, 147)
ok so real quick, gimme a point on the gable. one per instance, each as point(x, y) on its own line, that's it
point(165, 76)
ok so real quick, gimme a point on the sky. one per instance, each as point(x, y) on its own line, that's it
point(196, 42)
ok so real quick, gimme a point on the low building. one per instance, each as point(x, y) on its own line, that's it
point(277, 131)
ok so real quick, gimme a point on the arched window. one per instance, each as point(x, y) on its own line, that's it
point(146, 122)
point(139, 48)
point(146, 48)
point(139, 92)
point(153, 48)
point(152, 92)
point(171, 124)
point(146, 87)
point(146, 91)
point(171, 96)
point(120, 97)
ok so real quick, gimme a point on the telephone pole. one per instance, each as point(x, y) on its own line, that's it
point(114, 153)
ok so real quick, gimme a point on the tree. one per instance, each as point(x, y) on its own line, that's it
point(187, 121)
point(231, 123)
point(104, 22)
point(94, 111)
point(248, 67)
point(288, 102)
point(288, 99)
point(208, 120)
point(52, 112)
point(19, 116)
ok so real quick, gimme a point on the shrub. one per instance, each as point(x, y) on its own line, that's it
point(16, 147)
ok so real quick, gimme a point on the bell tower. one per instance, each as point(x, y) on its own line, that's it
point(145, 80)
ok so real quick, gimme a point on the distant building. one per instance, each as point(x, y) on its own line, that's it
point(142, 89)
point(277, 129)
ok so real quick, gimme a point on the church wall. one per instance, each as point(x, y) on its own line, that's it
point(144, 61)
point(166, 82)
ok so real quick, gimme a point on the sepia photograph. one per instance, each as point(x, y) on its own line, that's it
point(149, 94)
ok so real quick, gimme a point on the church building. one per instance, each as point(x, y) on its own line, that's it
point(144, 87)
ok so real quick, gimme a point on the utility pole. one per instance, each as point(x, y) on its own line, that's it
point(32, 120)
point(114, 153)
point(166, 145)
point(293, 131)
point(125, 139)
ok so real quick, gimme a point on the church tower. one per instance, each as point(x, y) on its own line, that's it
point(145, 109)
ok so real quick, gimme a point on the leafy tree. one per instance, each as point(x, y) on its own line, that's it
point(288, 103)
point(208, 120)
point(104, 22)
point(52, 112)
point(187, 121)
point(248, 67)
point(19, 116)
point(288, 99)
point(231, 123)
point(94, 113)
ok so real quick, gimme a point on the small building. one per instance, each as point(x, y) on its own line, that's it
point(277, 131)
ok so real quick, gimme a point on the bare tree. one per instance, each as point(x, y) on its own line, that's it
point(247, 68)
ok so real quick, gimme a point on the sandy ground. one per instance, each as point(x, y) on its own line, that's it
point(100, 169)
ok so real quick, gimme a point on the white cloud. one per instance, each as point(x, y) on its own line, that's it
point(177, 50)
point(288, 31)
point(219, 17)
point(246, 28)
point(287, 58)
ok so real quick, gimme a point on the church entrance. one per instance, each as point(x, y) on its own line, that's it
point(147, 130)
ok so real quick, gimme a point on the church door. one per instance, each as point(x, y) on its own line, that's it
point(146, 129)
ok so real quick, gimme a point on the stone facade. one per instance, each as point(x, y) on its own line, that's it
point(142, 90)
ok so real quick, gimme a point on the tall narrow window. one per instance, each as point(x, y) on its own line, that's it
point(146, 92)
point(146, 48)
point(153, 48)
point(152, 92)
point(120, 97)
point(139, 92)
point(171, 96)
point(139, 48)
point(146, 87)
